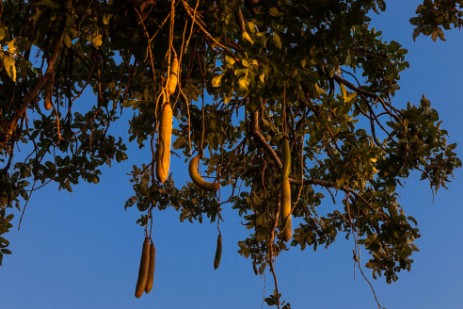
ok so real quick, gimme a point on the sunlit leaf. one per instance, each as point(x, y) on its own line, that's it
point(277, 41)
point(273, 11)
point(97, 41)
point(9, 65)
point(247, 37)
point(217, 80)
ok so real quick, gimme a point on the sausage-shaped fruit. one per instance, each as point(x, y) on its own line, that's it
point(152, 262)
point(172, 80)
point(197, 179)
point(286, 164)
point(143, 269)
point(165, 135)
point(286, 192)
point(218, 252)
point(286, 209)
point(47, 97)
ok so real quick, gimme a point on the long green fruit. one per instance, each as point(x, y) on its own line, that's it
point(218, 252)
point(143, 269)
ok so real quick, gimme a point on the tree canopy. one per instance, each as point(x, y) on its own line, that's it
point(288, 105)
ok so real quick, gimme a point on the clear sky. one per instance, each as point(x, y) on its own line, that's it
point(82, 249)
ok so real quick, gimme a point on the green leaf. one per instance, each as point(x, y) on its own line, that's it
point(273, 11)
point(67, 41)
point(246, 37)
point(230, 61)
point(3, 32)
point(277, 40)
point(12, 47)
point(244, 82)
point(106, 19)
point(97, 41)
point(9, 65)
point(217, 80)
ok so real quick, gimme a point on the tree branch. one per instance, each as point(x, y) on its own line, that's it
point(256, 132)
point(361, 91)
point(332, 184)
point(320, 182)
point(201, 25)
point(42, 81)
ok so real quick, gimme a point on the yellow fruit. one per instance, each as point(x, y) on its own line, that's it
point(218, 252)
point(286, 168)
point(47, 103)
point(286, 192)
point(165, 135)
point(173, 76)
point(143, 269)
point(197, 179)
point(152, 262)
point(47, 98)
point(286, 209)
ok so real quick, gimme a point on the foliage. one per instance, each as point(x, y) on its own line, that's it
point(252, 73)
point(436, 16)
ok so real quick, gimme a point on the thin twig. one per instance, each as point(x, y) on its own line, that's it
point(332, 184)
point(371, 287)
point(25, 205)
point(201, 26)
point(271, 246)
point(42, 80)
point(256, 132)
point(393, 112)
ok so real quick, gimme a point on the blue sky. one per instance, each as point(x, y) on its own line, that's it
point(82, 250)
